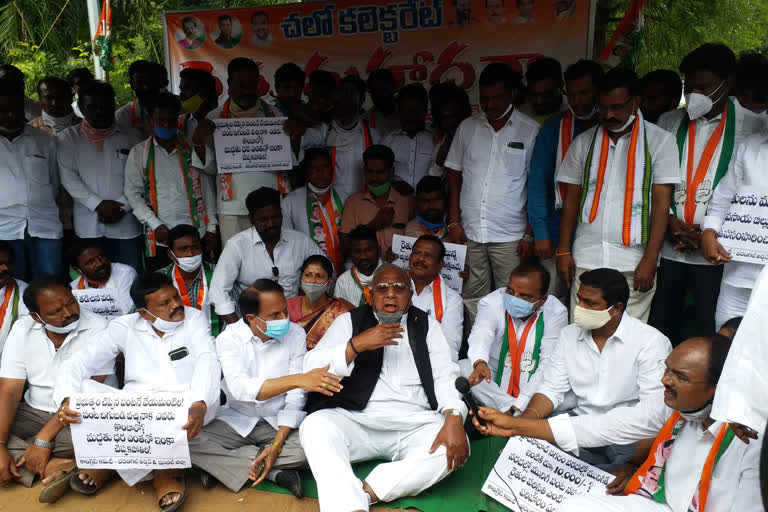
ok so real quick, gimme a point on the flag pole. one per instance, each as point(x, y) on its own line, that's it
point(106, 20)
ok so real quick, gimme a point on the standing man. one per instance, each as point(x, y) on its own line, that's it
point(430, 209)
point(544, 95)
point(56, 101)
point(662, 90)
point(76, 79)
point(545, 196)
point(12, 306)
point(619, 177)
point(707, 132)
point(289, 86)
point(354, 284)
point(382, 117)
point(266, 251)
point(198, 95)
point(98, 272)
point(92, 158)
point(487, 170)
point(146, 79)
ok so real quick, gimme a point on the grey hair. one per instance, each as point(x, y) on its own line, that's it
point(390, 266)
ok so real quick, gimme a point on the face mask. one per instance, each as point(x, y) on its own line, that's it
point(275, 328)
point(625, 125)
point(509, 109)
point(164, 133)
point(754, 122)
point(165, 326)
point(429, 225)
point(589, 319)
point(517, 307)
point(698, 105)
point(192, 104)
point(313, 291)
point(586, 117)
point(58, 124)
point(697, 416)
point(386, 318)
point(189, 264)
point(379, 190)
point(317, 190)
point(60, 330)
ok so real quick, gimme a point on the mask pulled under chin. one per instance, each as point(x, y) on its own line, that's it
point(698, 416)
point(625, 125)
point(587, 117)
point(165, 326)
point(509, 109)
point(590, 319)
point(66, 329)
point(317, 190)
point(387, 318)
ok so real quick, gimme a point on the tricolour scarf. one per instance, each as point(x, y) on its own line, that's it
point(514, 349)
point(333, 208)
point(567, 127)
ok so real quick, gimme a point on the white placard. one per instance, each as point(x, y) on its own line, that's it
point(252, 144)
point(130, 430)
point(745, 230)
point(98, 300)
point(455, 257)
point(534, 476)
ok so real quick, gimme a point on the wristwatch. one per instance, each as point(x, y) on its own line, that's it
point(451, 412)
point(43, 444)
point(528, 238)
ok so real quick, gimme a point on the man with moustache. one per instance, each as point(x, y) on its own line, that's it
point(56, 101)
point(430, 209)
point(12, 306)
point(354, 284)
point(98, 272)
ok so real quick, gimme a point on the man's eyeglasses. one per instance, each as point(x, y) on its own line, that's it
point(677, 375)
point(384, 287)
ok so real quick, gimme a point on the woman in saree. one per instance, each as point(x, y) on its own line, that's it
point(316, 310)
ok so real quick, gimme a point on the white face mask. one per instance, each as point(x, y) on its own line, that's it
point(589, 319)
point(753, 122)
point(697, 416)
point(587, 117)
point(165, 326)
point(59, 330)
point(698, 105)
point(189, 264)
point(58, 124)
point(509, 109)
point(317, 190)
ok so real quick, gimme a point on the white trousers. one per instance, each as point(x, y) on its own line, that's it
point(335, 438)
point(488, 394)
point(632, 503)
point(731, 303)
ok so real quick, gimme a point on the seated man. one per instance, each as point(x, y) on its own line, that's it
point(266, 251)
point(430, 209)
point(32, 440)
point(261, 358)
point(397, 399)
point(189, 273)
point(381, 208)
point(610, 361)
point(507, 370)
point(13, 289)
point(695, 463)
point(354, 284)
point(161, 326)
point(97, 271)
point(432, 294)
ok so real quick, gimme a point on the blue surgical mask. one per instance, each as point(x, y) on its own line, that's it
point(430, 226)
point(517, 307)
point(164, 133)
point(276, 328)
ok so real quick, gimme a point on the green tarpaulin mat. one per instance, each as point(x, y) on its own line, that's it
point(459, 492)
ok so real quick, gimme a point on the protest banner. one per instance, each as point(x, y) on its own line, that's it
point(745, 230)
point(99, 301)
point(130, 430)
point(254, 144)
point(455, 257)
point(534, 476)
point(425, 41)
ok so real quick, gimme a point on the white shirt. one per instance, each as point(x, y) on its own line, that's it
point(119, 284)
point(124, 121)
point(347, 288)
point(148, 366)
point(32, 108)
point(382, 125)
point(173, 200)
point(399, 386)
point(599, 243)
point(5, 327)
point(294, 206)
point(495, 175)
point(747, 168)
point(30, 355)
point(245, 259)
point(30, 179)
point(453, 313)
point(92, 176)
point(619, 395)
point(488, 332)
point(413, 155)
point(670, 121)
point(247, 362)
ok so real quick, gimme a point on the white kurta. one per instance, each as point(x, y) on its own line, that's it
point(452, 323)
point(119, 283)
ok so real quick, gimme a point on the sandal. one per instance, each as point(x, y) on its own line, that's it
point(167, 482)
point(60, 485)
point(102, 476)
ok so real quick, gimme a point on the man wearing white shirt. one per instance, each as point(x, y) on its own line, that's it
point(432, 294)
point(609, 361)
point(97, 272)
point(164, 183)
point(167, 347)
point(266, 251)
point(146, 79)
point(32, 439)
point(618, 180)
point(56, 101)
point(397, 399)
point(383, 117)
point(487, 167)
point(682, 450)
point(12, 305)
point(29, 216)
point(354, 284)
point(92, 158)
point(77, 78)
point(32, 108)
point(749, 94)
point(262, 362)
point(512, 340)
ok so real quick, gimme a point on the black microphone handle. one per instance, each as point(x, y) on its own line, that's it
point(469, 399)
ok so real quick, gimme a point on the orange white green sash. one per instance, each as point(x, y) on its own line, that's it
point(365, 298)
point(10, 302)
point(637, 183)
point(137, 119)
point(205, 285)
point(516, 348)
point(567, 127)
point(330, 235)
point(649, 488)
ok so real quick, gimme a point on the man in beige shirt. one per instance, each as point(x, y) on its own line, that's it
point(431, 209)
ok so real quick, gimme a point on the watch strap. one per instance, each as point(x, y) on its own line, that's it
point(43, 444)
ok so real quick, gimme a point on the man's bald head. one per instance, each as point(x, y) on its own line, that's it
point(391, 289)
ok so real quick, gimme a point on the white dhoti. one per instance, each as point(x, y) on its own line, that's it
point(335, 438)
point(630, 503)
point(731, 303)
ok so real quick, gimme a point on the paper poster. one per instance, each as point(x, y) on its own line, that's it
point(535, 476)
point(98, 300)
point(455, 257)
point(745, 230)
point(252, 144)
point(130, 430)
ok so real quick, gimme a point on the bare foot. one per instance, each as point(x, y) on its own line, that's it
point(170, 499)
point(87, 480)
point(50, 478)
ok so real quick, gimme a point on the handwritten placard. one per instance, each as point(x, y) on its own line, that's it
point(534, 476)
point(455, 257)
point(130, 430)
point(98, 300)
point(252, 144)
point(745, 230)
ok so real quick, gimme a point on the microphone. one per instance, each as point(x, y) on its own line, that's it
point(462, 386)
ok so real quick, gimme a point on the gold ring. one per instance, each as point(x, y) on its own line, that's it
point(322, 385)
point(718, 258)
point(61, 421)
